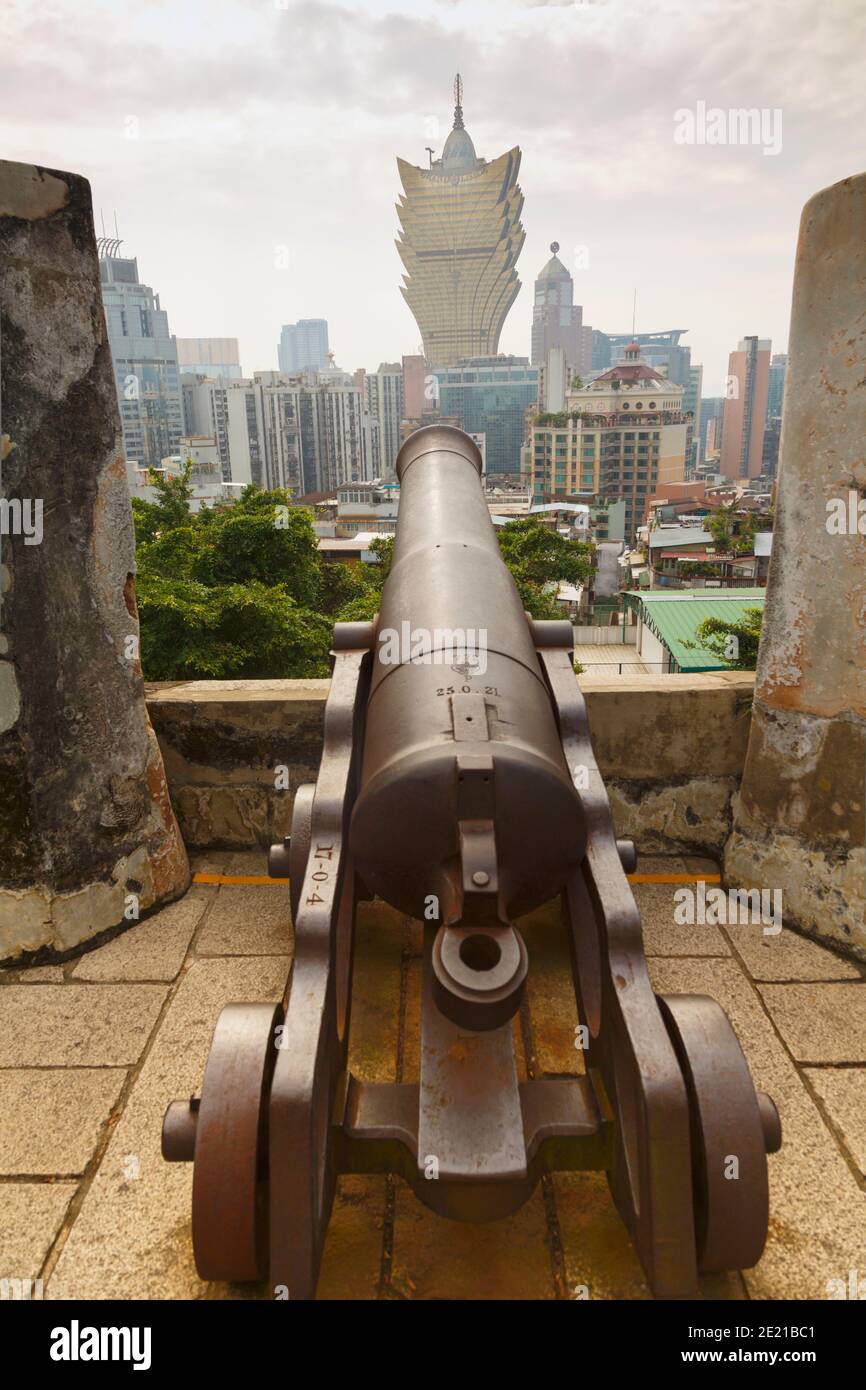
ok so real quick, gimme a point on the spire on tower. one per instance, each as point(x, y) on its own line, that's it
point(458, 102)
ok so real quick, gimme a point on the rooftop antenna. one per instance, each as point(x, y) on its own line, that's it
point(116, 232)
point(633, 313)
point(458, 102)
point(430, 152)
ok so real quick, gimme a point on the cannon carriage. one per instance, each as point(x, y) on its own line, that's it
point(460, 787)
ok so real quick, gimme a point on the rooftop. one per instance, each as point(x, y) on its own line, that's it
point(675, 619)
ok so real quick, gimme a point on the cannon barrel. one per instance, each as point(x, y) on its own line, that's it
point(465, 799)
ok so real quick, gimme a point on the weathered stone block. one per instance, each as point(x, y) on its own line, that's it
point(800, 816)
point(85, 818)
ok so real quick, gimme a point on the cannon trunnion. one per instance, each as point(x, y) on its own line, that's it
point(458, 783)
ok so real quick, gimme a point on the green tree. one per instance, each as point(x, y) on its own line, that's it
point(538, 556)
point(732, 534)
point(733, 642)
point(173, 494)
point(257, 542)
point(231, 591)
point(364, 604)
point(190, 631)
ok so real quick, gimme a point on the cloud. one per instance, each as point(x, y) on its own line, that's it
point(260, 125)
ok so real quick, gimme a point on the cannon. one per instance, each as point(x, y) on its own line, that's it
point(458, 784)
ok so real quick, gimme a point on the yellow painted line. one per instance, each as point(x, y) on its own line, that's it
point(237, 878)
point(674, 878)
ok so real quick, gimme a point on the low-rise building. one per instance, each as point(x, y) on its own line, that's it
point(667, 625)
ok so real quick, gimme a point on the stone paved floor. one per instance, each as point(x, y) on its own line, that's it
point(615, 659)
point(91, 1052)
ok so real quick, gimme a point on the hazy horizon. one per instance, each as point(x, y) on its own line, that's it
point(234, 135)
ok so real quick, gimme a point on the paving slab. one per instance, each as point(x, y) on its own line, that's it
point(550, 993)
point(787, 956)
point(36, 975)
point(352, 1258)
point(600, 1261)
point(842, 1091)
point(375, 1021)
point(817, 1208)
point(820, 1022)
point(52, 1120)
point(439, 1259)
point(154, 949)
point(663, 935)
point(77, 1025)
point(30, 1217)
point(412, 1021)
point(245, 861)
point(248, 920)
point(131, 1238)
point(208, 861)
point(662, 864)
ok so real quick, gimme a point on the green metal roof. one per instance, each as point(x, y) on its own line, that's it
point(675, 616)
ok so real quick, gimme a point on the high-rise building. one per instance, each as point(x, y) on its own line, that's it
point(710, 444)
point(144, 354)
point(205, 413)
point(554, 380)
point(692, 406)
point(459, 242)
point(385, 399)
point(415, 400)
point(776, 384)
point(557, 322)
point(303, 346)
point(770, 447)
point(210, 357)
point(621, 438)
point(490, 395)
point(746, 409)
point(306, 432)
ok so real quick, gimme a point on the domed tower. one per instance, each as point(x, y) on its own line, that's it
point(556, 320)
point(460, 236)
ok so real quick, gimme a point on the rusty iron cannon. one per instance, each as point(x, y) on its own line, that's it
point(458, 784)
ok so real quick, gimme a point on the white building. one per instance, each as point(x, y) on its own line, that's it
point(385, 398)
point(205, 474)
point(308, 432)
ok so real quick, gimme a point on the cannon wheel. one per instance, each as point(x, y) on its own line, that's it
point(229, 1186)
point(731, 1213)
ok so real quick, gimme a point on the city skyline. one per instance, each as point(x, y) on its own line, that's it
point(194, 177)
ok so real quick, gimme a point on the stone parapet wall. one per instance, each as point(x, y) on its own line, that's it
point(671, 750)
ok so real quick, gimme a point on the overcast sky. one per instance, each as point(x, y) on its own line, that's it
point(249, 147)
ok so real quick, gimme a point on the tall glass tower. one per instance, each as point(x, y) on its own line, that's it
point(459, 242)
point(303, 346)
point(145, 360)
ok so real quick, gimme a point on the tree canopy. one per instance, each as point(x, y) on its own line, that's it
point(539, 556)
point(735, 643)
point(240, 590)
